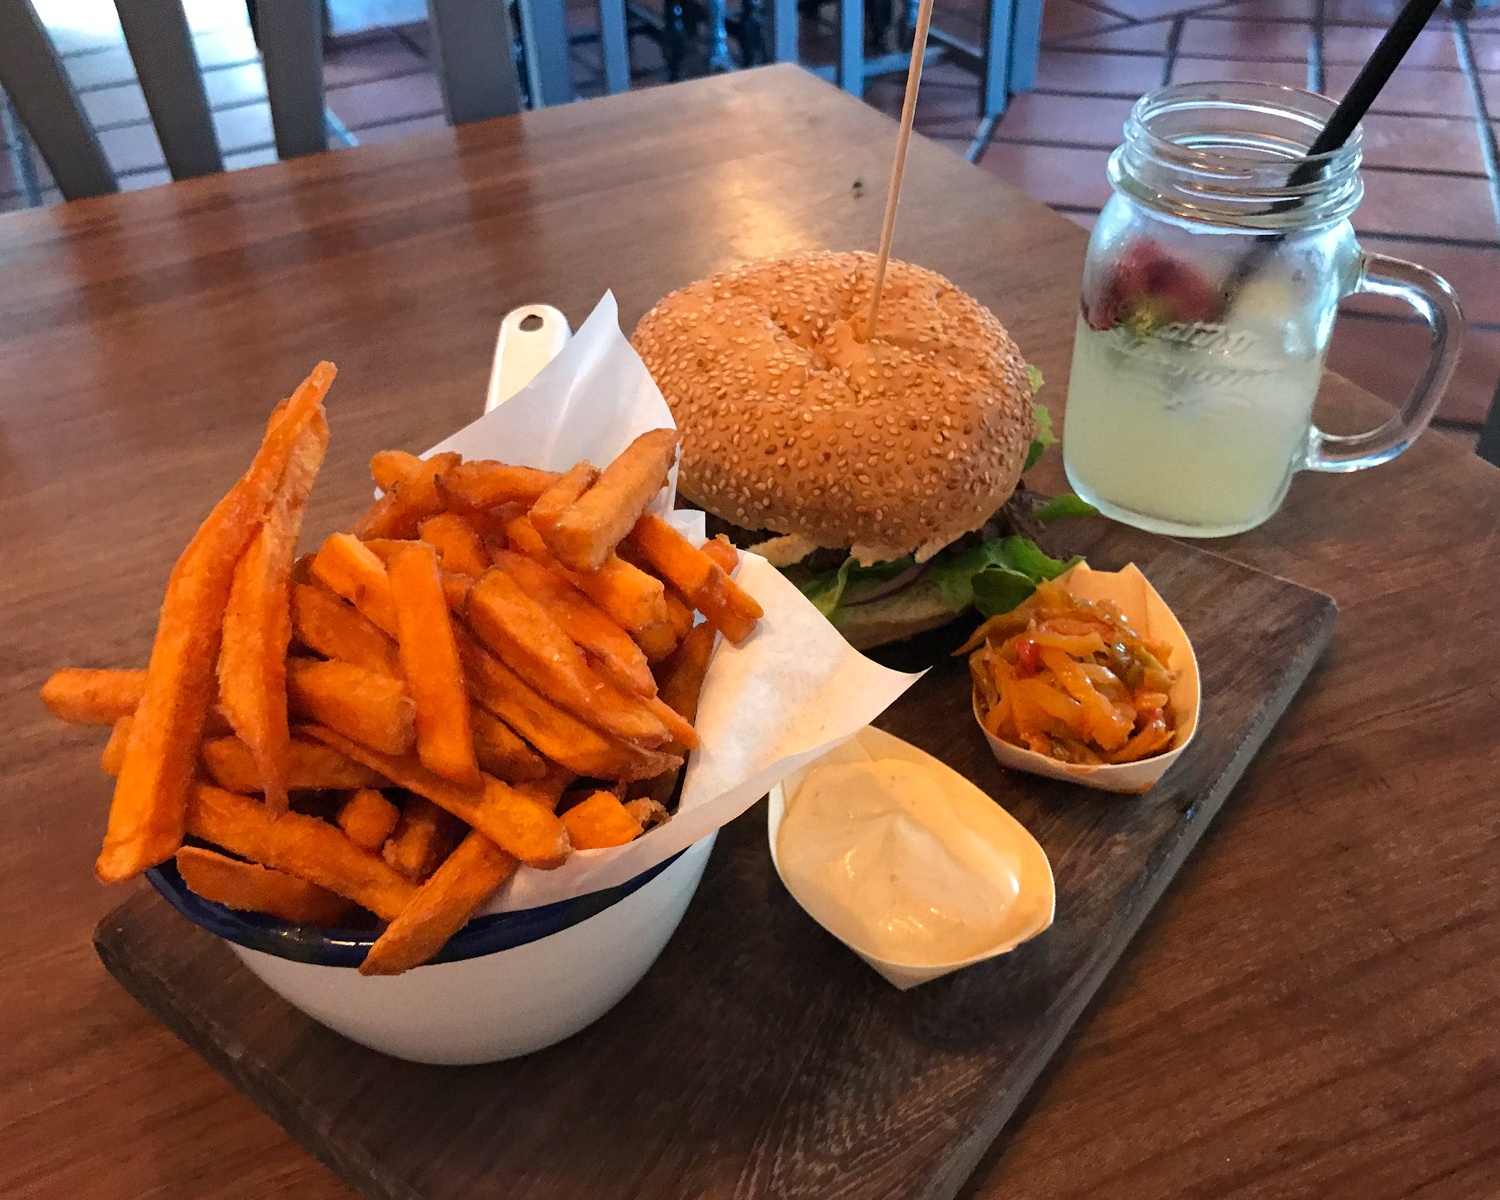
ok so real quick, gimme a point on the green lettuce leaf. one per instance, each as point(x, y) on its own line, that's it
point(1035, 378)
point(826, 590)
point(996, 575)
point(1016, 556)
point(864, 579)
point(1044, 436)
point(999, 589)
point(1065, 505)
point(993, 576)
point(830, 588)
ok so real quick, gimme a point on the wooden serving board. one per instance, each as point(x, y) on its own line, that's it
point(759, 1057)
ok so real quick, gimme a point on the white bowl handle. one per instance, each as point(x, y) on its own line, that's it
point(530, 337)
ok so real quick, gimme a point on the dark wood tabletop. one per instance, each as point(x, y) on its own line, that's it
point(1311, 1012)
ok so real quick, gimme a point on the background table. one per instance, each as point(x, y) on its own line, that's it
point(1311, 1012)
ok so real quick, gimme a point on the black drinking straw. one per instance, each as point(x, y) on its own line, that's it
point(1351, 109)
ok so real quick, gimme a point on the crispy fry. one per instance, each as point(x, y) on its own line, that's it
point(299, 845)
point(370, 708)
point(549, 788)
point(490, 522)
point(429, 659)
point(629, 595)
point(383, 548)
point(414, 497)
point(583, 621)
point(367, 818)
point(312, 767)
point(552, 503)
point(257, 621)
point(442, 907)
point(599, 822)
point(445, 903)
point(501, 752)
point(93, 697)
point(349, 568)
point(590, 528)
point(147, 814)
point(325, 624)
point(552, 730)
point(682, 678)
point(728, 607)
point(484, 484)
point(390, 467)
point(522, 535)
point(114, 749)
point(424, 836)
point(657, 641)
point(250, 887)
point(506, 815)
point(647, 811)
point(682, 675)
point(679, 614)
point(458, 542)
point(722, 551)
point(683, 733)
point(532, 643)
point(456, 591)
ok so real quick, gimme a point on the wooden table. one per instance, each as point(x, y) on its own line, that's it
point(1312, 1011)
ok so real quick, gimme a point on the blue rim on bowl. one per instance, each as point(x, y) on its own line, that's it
point(348, 947)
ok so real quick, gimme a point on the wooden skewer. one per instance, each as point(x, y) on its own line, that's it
point(898, 166)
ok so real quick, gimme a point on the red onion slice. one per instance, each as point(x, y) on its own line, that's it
point(889, 588)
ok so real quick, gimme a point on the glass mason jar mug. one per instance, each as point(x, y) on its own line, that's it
point(1212, 281)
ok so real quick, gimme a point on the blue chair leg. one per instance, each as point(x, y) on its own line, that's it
point(850, 72)
point(1025, 44)
point(784, 19)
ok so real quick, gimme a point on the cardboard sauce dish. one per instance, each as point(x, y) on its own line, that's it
point(1019, 870)
point(1144, 608)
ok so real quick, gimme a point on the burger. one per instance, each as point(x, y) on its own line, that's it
point(880, 473)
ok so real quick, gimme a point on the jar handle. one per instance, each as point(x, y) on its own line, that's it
point(1434, 300)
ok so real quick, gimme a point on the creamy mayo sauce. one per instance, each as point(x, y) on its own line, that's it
point(909, 863)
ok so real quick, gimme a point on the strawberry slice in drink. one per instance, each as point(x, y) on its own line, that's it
point(1148, 287)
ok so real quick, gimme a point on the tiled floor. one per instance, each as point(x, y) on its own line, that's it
point(1432, 188)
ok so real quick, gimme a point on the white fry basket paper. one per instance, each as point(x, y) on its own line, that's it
point(790, 692)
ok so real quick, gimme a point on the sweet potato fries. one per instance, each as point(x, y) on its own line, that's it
point(472, 678)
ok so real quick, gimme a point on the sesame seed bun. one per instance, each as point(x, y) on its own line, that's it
point(792, 422)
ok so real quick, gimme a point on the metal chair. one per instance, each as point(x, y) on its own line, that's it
point(545, 43)
point(1005, 63)
point(472, 41)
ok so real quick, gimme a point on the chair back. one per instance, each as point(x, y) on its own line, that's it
point(43, 96)
point(161, 49)
point(472, 42)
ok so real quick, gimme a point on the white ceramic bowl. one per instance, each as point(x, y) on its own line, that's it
point(475, 1009)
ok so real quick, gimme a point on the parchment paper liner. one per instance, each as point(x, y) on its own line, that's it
point(789, 693)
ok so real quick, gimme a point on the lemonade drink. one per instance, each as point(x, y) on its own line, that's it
point(1209, 294)
point(1193, 429)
